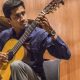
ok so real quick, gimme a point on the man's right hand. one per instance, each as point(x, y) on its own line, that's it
point(3, 58)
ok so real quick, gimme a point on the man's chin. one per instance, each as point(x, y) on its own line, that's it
point(24, 24)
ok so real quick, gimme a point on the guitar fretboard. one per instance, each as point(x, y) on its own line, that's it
point(23, 38)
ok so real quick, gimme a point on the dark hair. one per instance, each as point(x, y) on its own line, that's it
point(10, 5)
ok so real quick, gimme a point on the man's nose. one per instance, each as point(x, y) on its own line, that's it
point(22, 18)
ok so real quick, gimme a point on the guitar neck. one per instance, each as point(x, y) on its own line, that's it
point(27, 32)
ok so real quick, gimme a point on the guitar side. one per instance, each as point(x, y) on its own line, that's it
point(5, 69)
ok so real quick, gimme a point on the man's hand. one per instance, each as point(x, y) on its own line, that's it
point(3, 58)
point(43, 21)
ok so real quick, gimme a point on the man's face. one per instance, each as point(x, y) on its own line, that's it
point(18, 17)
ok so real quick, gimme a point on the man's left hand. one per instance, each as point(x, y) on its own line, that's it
point(43, 21)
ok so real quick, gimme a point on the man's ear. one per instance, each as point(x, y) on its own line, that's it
point(9, 21)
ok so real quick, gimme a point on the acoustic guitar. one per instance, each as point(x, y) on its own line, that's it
point(14, 49)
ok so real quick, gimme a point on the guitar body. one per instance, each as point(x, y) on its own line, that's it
point(5, 69)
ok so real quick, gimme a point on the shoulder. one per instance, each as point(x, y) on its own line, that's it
point(39, 31)
point(6, 32)
point(39, 34)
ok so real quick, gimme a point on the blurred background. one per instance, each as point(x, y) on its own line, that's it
point(66, 22)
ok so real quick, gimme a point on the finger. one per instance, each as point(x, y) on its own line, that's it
point(2, 56)
point(46, 23)
point(42, 18)
point(43, 22)
point(4, 60)
point(2, 52)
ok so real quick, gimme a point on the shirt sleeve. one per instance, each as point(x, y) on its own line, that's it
point(57, 48)
point(4, 36)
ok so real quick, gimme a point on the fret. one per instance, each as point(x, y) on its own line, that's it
point(31, 28)
point(34, 24)
point(28, 30)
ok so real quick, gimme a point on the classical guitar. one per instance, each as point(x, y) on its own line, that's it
point(14, 49)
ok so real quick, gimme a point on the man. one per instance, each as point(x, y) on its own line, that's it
point(36, 44)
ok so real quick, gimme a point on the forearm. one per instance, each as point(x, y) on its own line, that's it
point(59, 49)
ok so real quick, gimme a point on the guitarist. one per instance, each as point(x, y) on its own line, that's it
point(43, 37)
